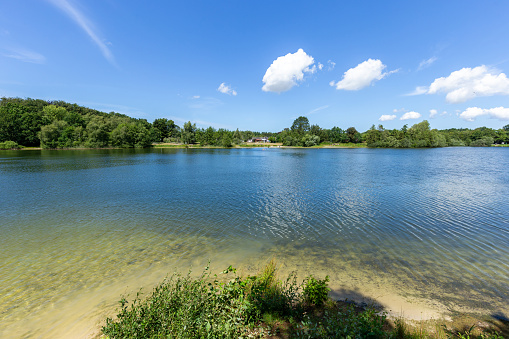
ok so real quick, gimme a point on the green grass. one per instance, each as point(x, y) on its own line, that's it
point(261, 306)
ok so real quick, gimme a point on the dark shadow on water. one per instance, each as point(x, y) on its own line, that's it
point(500, 322)
point(356, 298)
point(462, 324)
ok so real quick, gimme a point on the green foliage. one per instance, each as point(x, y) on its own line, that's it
point(164, 128)
point(59, 124)
point(315, 290)
point(226, 140)
point(347, 324)
point(188, 134)
point(9, 145)
point(469, 334)
point(229, 306)
point(310, 140)
point(300, 125)
point(183, 307)
point(482, 142)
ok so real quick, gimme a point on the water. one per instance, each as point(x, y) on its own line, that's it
point(423, 231)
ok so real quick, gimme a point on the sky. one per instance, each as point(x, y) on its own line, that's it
point(258, 65)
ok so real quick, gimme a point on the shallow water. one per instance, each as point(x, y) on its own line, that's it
point(404, 227)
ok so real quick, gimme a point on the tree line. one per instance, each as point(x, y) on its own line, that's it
point(58, 124)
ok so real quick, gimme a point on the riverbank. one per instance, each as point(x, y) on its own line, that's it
point(265, 306)
point(261, 145)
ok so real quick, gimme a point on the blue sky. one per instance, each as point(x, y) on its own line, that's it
point(258, 65)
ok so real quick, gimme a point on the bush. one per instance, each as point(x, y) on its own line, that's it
point(483, 142)
point(316, 291)
point(9, 145)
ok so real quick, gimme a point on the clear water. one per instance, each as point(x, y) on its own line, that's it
point(80, 228)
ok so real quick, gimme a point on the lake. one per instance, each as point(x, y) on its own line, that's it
point(419, 231)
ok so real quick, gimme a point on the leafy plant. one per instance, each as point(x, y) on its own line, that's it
point(315, 290)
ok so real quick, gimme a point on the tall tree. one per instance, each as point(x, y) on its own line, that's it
point(189, 133)
point(300, 125)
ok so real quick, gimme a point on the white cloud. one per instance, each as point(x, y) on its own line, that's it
point(468, 83)
point(387, 117)
point(471, 113)
point(432, 113)
point(286, 71)
point(226, 89)
point(320, 66)
point(418, 91)
point(363, 75)
point(24, 55)
point(318, 109)
point(331, 64)
point(410, 115)
point(196, 97)
point(85, 24)
point(426, 63)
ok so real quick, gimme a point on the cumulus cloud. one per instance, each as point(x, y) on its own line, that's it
point(363, 75)
point(471, 113)
point(433, 113)
point(226, 89)
point(426, 63)
point(331, 64)
point(85, 24)
point(286, 71)
point(410, 115)
point(387, 117)
point(468, 83)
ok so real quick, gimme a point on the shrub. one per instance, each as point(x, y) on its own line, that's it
point(9, 145)
point(316, 291)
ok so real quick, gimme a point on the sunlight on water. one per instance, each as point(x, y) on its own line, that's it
point(415, 230)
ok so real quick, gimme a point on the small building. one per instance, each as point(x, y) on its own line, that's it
point(261, 139)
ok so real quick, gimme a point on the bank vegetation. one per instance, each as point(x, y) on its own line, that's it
point(58, 124)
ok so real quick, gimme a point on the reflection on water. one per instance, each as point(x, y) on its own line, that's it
point(79, 228)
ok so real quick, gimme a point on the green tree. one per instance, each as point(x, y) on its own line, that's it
point(10, 122)
point(226, 141)
point(165, 128)
point(237, 137)
point(55, 135)
point(132, 134)
point(52, 113)
point(97, 132)
point(300, 125)
point(353, 135)
point(310, 140)
point(189, 133)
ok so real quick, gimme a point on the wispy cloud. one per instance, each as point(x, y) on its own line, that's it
point(418, 91)
point(205, 103)
point(24, 55)
point(318, 109)
point(426, 63)
point(85, 24)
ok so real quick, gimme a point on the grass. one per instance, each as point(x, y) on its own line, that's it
point(261, 306)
